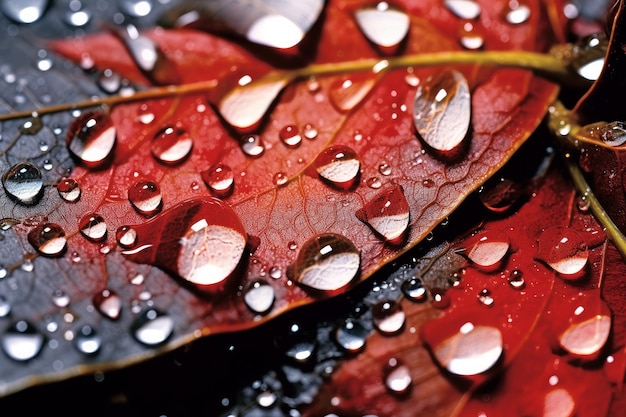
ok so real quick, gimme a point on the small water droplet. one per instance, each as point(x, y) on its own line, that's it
point(135, 8)
point(31, 126)
point(201, 240)
point(397, 376)
point(60, 298)
point(583, 204)
point(280, 178)
point(487, 250)
point(171, 146)
point(27, 265)
point(374, 182)
point(5, 306)
point(109, 81)
point(126, 237)
point(351, 335)
point(7, 223)
point(252, 146)
point(310, 132)
point(428, 183)
point(91, 138)
point(564, 250)
point(220, 180)
point(441, 299)
point(22, 341)
point(388, 317)
point(387, 214)
point(516, 279)
point(298, 343)
point(327, 262)
point(146, 198)
point(463, 9)
point(410, 78)
point(338, 165)
point(24, 11)
point(384, 169)
point(69, 189)
point(383, 24)
point(266, 398)
point(48, 239)
point(93, 227)
point(346, 94)
point(259, 296)
point(77, 16)
point(485, 297)
point(292, 245)
point(414, 290)
point(517, 12)
point(471, 38)
point(275, 272)
point(290, 136)
point(442, 111)
point(88, 341)
point(108, 303)
point(152, 327)
point(23, 182)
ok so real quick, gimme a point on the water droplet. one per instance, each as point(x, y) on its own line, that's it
point(259, 296)
point(266, 398)
point(463, 9)
point(516, 279)
point(564, 250)
point(280, 178)
point(135, 8)
point(384, 169)
point(93, 227)
point(88, 341)
point(475, 349)
point(252, 145)
point(297, 343)
point(589, 56)
point(499, 196)
point(152, 327)
point(516, 13)
point(387, 214)
point(351, 335)
point(346, 94)
point(220, 180)
point(441, 299)
point(583, 204)
point(275, 272)
point(171, 146)
point(470, 38)
point(69, 189)
point(428, 183)
point(442, 111)
point(410, 78)
point(77, 16)
point(8, 222)
point(327, 262)
point(585, 339)
point(201, 240)
point(126, 237)
point(109, 81)
point(60, 298)
point(5, 306)
point(290, 136)
point(23, 182)
point(22, 341)
point(48, 239)
point(374, 182)
point(559, 403)
point(613, 134)
point(91, 138)
point(414, 290)
point(31, 126)
point(338, 165)
point(146, 198)
point(397, 376)
point(487, 250)
point(24, 11)
point(310, 132)
point(383, 24)
point(108, 303)
point(485, 297)
point(27, 265)
point(388, 317)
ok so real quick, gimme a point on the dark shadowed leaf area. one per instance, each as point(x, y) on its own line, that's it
point(237, 208)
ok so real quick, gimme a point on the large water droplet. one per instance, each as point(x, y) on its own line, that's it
point(388, 317)
point(22, 341)
point(387, 214)
point(471, 351)
point(146, 198)
point(612, 134)
point(564, 250)
point(23, 182)
point(88, 341)
point(91, 138)
point(463, 9)
point(327, 262)
point(108, 303)
point(220, 180)
point(585, 339)
point(589, 56)
point(24, 11)
point(383, 24)
point(414, 290)
point(338, 165)
point(501, 195)
point(126, 237)
point(252, 145)
point(351, 335)
point(346, 94)
point(397, 376)
point(442, 111)
point(48, 239)
point(259, 296)
point(290, 136)
point(201, 240)
point(69, 189)
point(93, 227)
point(152, 327)
point(487, 250)
point(171, 145)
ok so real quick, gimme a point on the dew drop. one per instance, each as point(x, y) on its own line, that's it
point(135, 8)
point(559, 403)
point(441, 111)
point(441, 299)
point(5, 306)
point(475, 349)
point(297, 343)
point(351, 335)
point(31, 126)
point(108, 303)
point(383, 24)
point(346, 94)
point(614, 133)
point(470, 38)
point(414, 290)
point(152, 327)
point(220, 180)
point(516, 12)
point(397, 377)
point(388, 317)
point(77, 16)
point(69, 189)
point(290, 136)
point(126, 237)
point(280, 178)
point(428, 183)
point(583, 204)
point(22, 341)
point(171, 146)
point(201, 240)
point(23, 182)
point(387, 214)
point(463, 9)
point(91, 138)
point(338, 165)
point(487, 250)
point(48, 239)
point(327, 262)
point(88, 341)
point(145, 196)
point(310, 132)
point(24, 11)
point(589, 56)
point(501, 195)
point(259, 296)
point(8, 222)
point(564, 250)
point(93, 227)
point(485, 297)
point(410, 78)
point(275, 272)
point(60, 298)
point(374, 182)
point(252, 146)
point(516, 279)
point(266, 398)
point(384, 169)
point(109, 81)
point(585, 339)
